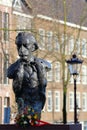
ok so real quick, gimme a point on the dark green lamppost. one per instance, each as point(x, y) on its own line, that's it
point(74, 65)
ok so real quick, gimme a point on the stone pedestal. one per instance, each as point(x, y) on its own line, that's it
point(45, 127)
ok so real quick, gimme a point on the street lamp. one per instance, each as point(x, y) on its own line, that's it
point(74, 65)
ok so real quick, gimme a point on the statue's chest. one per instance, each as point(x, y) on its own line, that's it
point(28, 70)
point(30, 75)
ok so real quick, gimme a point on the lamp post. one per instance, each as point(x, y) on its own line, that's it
point(74, 65)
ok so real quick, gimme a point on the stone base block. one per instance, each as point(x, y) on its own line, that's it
point(45, 127)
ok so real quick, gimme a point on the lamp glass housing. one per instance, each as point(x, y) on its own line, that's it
point(74, 65)
point(74, 69)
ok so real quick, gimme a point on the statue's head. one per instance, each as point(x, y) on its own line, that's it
point(26, 44)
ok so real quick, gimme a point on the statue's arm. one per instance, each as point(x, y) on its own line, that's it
point(15, 72)
point(46, 65)
point(12, 70)
point(41, 72)
point(42, 67)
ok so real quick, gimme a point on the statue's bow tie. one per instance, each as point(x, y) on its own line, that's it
point(29, 63)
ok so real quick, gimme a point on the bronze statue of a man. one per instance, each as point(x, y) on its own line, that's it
point(28, 74)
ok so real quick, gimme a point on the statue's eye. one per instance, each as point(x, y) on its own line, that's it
point(25, 45)
point(18, 46)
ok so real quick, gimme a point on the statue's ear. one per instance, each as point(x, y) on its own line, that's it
point(34, 47)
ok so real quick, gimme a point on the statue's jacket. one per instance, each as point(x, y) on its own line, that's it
point(29, 80)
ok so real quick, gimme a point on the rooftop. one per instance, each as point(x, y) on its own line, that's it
point(76, 10)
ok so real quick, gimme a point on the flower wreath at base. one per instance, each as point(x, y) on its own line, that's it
point(28, 117)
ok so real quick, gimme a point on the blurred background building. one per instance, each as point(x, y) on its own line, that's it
point(60, 28)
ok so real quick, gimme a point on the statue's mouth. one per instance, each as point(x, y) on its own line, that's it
point(23, 55)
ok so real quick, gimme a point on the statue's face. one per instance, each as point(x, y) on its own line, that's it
point(26, 44)
point(25, 50)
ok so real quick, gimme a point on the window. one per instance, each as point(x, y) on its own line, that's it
point(78, 46)
point(0, 68)
point(84, 101)
point(56, 44)
point(17, 4)
point(71, 45)
point(42, 38)
point(49, 101)
point(78, 100)
point(64, 43)
point(49, 40)
point(57, 71)
point(6, 60)
point(85, 125)
point(0, 25)
point(57, 101)
point(71, 101)
point(84, 74)
point(49, 74)
point(71, 79)
point(6, 101)
point(78, 79)
point(6, 26)
point(84, 48)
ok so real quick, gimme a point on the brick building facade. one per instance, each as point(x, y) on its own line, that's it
point(38, 18)
point(6, 93)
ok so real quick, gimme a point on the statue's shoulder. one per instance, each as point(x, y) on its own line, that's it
point(45, 64)
point(12, 68)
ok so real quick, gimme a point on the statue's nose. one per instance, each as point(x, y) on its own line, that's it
point(22, 50)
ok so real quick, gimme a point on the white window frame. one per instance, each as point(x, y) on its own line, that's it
point(71, 79)
point(17, 5)
point(84, 101)
point(49, 101)
point(57, 72)
point(78, 79)
point(6, 101)
point(71, 101)
point(42, 38)
point(56, 44)
point(1, 66)
point(78, 46)
point(84, 47)
point(6, 64)
point(84, 74)
point(85, 125)
point(71, 45)
point(6, 19)
point(50, 73)
point(78, 101)
point(49, 35)
point(57, 101)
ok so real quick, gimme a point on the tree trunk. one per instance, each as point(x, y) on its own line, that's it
point(64, 106)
